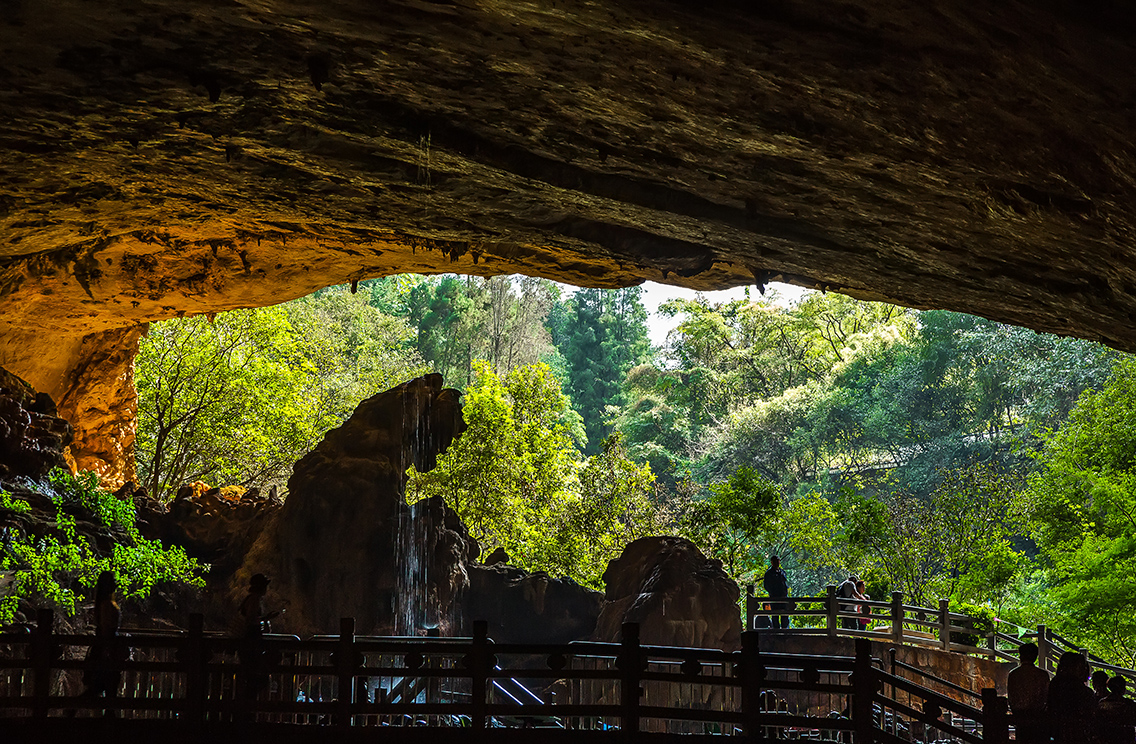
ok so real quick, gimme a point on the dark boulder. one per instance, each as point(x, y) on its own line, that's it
point(32, 436)
point(523, 607)
point(678, 596)
point(345, 543)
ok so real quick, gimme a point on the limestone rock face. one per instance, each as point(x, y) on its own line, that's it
point(171, 157)
point(523, 607)
point(211, 527)
point(677, 595)
point(345, 544)
point(99, 398)
point(32, 436)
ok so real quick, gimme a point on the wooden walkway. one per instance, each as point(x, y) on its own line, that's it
point(902, 624)
point(186, 685)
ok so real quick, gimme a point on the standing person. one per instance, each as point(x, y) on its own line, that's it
point(100, 677)
point(1115, 719)
point(847, 590)
point(254, 622)
point(1028, 688)
point(777, 586)
point(863, 610)
point(1070, 703)
point(1099, 683)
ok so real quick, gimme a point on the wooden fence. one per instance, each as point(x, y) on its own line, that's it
point(346, 682)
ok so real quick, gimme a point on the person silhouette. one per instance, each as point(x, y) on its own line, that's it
point(1028, 688)
point(101, 677)
point(255, 622)
point(777, 586)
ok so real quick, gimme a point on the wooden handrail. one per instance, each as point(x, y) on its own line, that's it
point(215, 685)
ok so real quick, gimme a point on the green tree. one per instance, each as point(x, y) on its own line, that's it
point(730, 520)
point(238, 399)
point(602, 335)
point(1083, 502)
point(930, 547)
point(218, 400)
point(518, 481)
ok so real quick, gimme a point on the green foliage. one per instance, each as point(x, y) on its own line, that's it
point(602, 335)
point(934, 546)
point(1084, 516)
point(983, 620)
point(729, 520)
point(518, 481)
point(240, 398)
point(62, 566)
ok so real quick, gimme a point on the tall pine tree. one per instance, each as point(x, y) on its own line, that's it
point(602, 334)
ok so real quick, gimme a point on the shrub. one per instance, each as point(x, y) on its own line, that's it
point(62, 567)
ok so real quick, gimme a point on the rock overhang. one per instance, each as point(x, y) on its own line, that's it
point(168, 158)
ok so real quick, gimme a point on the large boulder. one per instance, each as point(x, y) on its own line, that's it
point(678, 596)
point(214, 526)
point(345, 543)
point(32, 436)
point(523, 607)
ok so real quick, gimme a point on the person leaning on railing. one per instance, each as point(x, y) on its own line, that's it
point(847, 590)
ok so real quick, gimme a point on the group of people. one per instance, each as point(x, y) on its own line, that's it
point(776, 585)
point(854, 588)
point(1065, 709)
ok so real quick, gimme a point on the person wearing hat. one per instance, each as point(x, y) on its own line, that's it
point(254, 619)
point(255, 622)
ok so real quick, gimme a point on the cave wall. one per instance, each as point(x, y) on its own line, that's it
point(167, 158)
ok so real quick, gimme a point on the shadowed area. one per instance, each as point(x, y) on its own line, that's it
point(164, 159)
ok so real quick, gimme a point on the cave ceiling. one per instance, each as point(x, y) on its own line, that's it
point(164, 157)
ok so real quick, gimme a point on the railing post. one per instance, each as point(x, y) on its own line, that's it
point(1043, 648)
point(345, 670)
point(832, 608)
point(995, 726)
point(43, 653)
point(749, 607)
point(752, 674)
point(630, 663)
point(479, 668)
point(994, 642)
point(194, 662)
point(863, 693)
point(945, 624)
point(897, 617)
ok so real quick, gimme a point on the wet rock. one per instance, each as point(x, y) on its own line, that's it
point(32, 436)
point(523, 607)
point(345, 543)
point(678, 596)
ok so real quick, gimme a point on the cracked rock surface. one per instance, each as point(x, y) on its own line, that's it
point(165, 158)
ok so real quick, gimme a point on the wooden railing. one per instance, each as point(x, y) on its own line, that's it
point(347, 681)
point(902, 624)
point(891, 621)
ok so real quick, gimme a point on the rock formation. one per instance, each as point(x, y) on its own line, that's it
point(166, 158)
point(32, 436)
point(530, 608)
point(211, 527)
point(345, 544)
point(677, 595)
